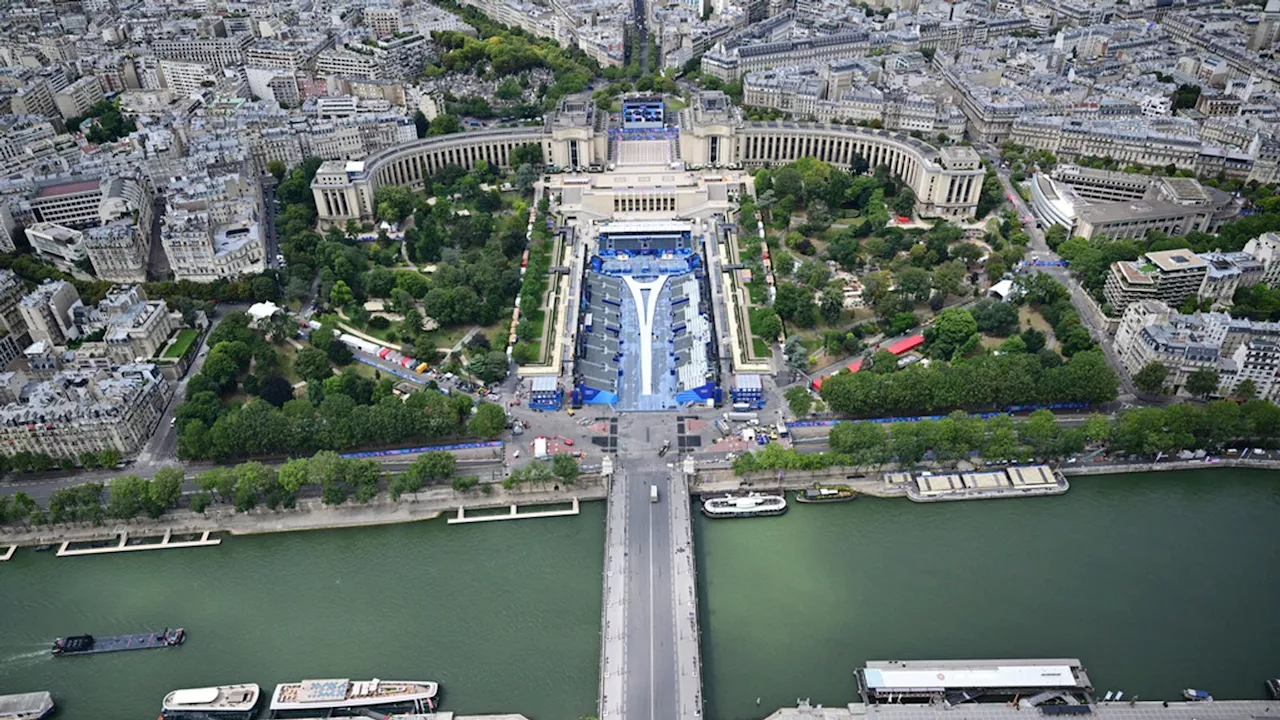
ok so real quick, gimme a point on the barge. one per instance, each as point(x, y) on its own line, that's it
point(330, 696)
point(223, 702)
point(750, 505)
point(27, 706)
point(88, 644)
point(826, 494)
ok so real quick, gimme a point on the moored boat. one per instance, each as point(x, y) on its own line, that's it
point(1273, 687)
point(750, 505)
point(224, 702)
point(385, 695)
point(27, 706)
point(1196, 695)
point(88, 644)
point(826, 494)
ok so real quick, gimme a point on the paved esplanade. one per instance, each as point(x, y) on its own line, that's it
point(650, 665)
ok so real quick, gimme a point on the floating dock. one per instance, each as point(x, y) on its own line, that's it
point(512, 514)
point(166, 542)
point(1024, 481)
point(1145, 710)
point(8, 554)
point(953, 682)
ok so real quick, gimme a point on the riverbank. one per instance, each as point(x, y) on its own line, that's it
point(310, 514)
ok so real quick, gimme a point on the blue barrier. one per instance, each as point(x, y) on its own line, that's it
point(917, 418)
point(417, 450)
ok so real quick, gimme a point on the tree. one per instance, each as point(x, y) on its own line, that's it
point(951, 331)
point(526, 176)
point(796, 353)
point(1203, 382)
point(341, 295)
point(276, 390)
point(126, 496)
point(1246, 389)
point(489, 421)
point(565, 467)
point(799, 400)
point(794, 304)
point(312, 364)
point(832, 303)
point(444, 124)
point(109, 458)
point(164, 491)
point(277, 169)
point(490, 367)
point(904, 202)
point(1151, 378)
point(768, 324)
point(996, 318)
point(914, 283)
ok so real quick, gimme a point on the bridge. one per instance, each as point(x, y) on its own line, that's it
point(650, 663)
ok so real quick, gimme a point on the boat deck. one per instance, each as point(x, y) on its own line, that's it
point(119, 643)
point(1216, 710)
point(26, 706)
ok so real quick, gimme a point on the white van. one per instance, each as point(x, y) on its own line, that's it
point(653, 493)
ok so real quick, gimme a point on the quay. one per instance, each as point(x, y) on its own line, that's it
point(1144, 710)
point(166, 542)
point(513, 514)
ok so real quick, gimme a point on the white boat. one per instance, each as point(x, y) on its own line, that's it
point(237, 702)
point(1108, 697)
point(330, 694)
point(749, 505)
point(1196, 695)
point(1119, 694)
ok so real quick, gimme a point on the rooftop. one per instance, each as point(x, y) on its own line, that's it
point(71, 188)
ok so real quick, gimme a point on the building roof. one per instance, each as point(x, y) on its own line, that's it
point(1015, 676)
point(1180, 259)
point(71, 188)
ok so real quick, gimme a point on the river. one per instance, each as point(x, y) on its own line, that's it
point(1156, 582)
point(505, 615)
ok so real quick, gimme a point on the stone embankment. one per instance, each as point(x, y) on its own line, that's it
point(310, 514)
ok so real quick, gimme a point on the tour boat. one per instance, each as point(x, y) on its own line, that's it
point(749, 505)
point(224, 702)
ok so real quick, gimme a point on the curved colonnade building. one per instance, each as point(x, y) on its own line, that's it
point(947, 181)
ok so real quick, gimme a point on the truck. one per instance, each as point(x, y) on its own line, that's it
point(653, 493)
point(723, 427)
point(741, 416)
point(540, 447)
point(782, 429)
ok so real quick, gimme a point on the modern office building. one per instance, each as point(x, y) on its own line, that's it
point(1170, 276)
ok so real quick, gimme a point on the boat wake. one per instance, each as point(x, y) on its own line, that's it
point(26, 658)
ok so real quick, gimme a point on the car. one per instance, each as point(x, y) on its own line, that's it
point(567, 441)
point(173, 421)
point(666, 445)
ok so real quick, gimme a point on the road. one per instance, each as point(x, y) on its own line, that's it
point(652, 665)
point(270, 208)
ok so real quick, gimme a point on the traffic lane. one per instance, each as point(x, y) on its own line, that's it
point(639, 602)
point(665, 695)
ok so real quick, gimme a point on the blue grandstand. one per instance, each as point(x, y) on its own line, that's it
point(645, 339)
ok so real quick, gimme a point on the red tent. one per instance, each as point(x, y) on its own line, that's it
point(910, 343)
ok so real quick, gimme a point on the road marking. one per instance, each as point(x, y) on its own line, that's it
point(653, 687)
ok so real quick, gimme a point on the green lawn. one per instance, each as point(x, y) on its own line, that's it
point(760, 347)
point(182, 343)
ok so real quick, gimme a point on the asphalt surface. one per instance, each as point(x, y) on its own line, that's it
point(652, 664)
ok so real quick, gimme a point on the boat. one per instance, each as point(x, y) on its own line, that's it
point(1119, 694)
point(752, 504)
point(225, 702)
point(88, 644)
point(386, 695)
point(1273, 687)
point(1196, 695)
point(826, 494)
point(1108, 697)
point(27, 706)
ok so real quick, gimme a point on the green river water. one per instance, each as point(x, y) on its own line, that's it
point(1156, 582)
point(505, 615)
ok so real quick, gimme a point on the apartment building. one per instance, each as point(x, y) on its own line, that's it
point(79, 411)
point(382, 21)
point(1150, 331)
point(1170, 276)
point(49, 312)
point(134, 327)
point(216, 52)
point(185, 77)
point(75, 99)
point(222, 242)
point(12, 291)
point(119, 251)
